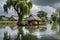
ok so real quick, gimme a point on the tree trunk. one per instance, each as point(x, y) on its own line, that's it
point(20, 20)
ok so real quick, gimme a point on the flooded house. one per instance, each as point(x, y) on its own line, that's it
point(14, 18)
point(33, 20)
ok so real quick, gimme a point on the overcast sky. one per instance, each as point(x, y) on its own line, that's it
point(46, 5)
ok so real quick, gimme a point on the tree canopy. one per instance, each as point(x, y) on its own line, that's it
point(42, 14)
point(22, 7)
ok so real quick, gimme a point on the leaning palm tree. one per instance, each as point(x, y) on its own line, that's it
point(22, 7)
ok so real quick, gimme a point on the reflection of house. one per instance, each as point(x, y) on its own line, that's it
point(14, 18)
point(13, 27)
point(33, 19)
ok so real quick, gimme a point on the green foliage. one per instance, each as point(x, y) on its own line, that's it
point(54, 17)
point(29, 37)
point(8, 22)
point(30, 4)
point(44, 20)
point(42, 14)
point(22, 7)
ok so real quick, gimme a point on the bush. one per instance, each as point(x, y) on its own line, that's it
point(42, 14)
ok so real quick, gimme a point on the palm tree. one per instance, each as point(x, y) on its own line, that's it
point(22, 7)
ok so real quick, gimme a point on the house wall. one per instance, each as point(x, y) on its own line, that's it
point(34, 22)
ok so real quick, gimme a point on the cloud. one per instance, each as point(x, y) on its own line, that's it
point(1, 7)
point(2, 2)
point(35, 9)
point(47, 9)
point(46, 2)
point(10, 12)
point(56, 5)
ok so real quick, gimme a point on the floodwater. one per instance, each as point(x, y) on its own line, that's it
point(43, 32)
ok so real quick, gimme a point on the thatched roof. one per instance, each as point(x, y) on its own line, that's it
point(4, 18)
point(14, 17)
point(33, 17)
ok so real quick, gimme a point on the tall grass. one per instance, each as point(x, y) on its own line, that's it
point(7, 22)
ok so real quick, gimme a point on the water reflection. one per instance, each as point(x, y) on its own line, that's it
point(59, 26)
point(13, 27)
point(53, 30)
point(48, 38)
point(7, 29)
point(54, 26)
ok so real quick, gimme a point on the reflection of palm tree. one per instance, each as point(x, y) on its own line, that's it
point(54, 26)
point(20, 32)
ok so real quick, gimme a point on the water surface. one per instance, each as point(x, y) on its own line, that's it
point(52, 31)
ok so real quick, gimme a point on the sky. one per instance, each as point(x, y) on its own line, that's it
point(48, 6)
